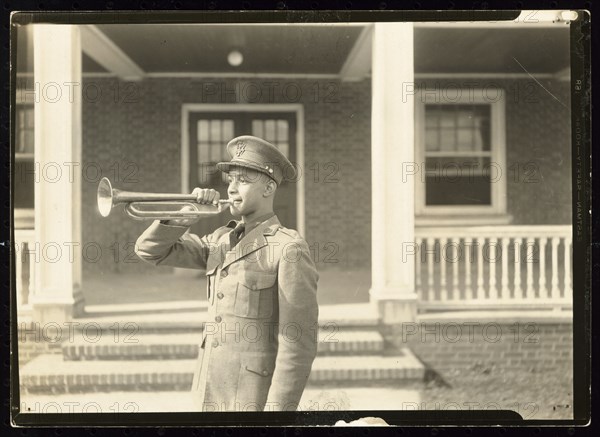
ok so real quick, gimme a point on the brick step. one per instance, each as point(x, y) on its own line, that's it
point(190, 316)
point(110, 346)
point(50, 373)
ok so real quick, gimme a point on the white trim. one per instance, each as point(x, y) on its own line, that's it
point(105, 52)
point(358, 61)
point(498, 151)
point(297, 108)
point(498, 75)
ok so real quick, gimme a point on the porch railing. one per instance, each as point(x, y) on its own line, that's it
point(24, 268)
point(494, 266)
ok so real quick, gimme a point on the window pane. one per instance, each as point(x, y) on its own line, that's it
point(203, 152)
point(202, 130)
point(464, 138)
point(447, 140)
point(465, 117)
point(432, 140)
point(454, 181)
point(228, 133)
point(447, 119)
point(257, 128)
point(483, 132)
point(215, 130)
point(282, 130)
point(432, 117)
point(269, 133)
point(24, 184)
point(216, 151)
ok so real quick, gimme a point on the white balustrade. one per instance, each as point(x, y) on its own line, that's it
point(495, 252)
point(25, 280)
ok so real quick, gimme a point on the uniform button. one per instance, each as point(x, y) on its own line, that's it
point(264, 372)
point(223, 273)
point(220, 295)
point(254, 286)
point(215, 343)
point(218, 319)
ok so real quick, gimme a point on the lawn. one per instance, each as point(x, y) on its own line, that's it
point(533, 393)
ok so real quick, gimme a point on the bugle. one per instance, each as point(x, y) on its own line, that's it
point(140, 205)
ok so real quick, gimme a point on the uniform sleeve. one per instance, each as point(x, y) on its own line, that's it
point(168, 245)
point(298, 326)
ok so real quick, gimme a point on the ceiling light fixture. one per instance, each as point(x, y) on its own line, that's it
point(235, 58)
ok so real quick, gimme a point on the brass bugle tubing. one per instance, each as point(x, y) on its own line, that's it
point(109, 197)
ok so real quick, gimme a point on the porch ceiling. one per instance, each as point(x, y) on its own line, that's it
point(321, 49)
point(204, 48)
point(495, 50)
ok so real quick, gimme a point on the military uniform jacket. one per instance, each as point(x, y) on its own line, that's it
point(260, 339)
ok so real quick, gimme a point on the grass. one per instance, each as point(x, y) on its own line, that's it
point(533, 393)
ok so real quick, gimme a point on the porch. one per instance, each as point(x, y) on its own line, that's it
point(456, 268)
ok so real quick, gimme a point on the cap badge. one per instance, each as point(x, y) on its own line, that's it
point(241, 148)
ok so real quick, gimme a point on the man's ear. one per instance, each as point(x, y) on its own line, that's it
point(270, 188)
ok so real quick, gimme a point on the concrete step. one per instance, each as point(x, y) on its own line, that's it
point(190, 316)
point(112, 346)
point(50, 373)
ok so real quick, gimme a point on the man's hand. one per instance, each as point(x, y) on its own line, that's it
point(204, 196)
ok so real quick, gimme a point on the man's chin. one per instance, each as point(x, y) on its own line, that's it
point(235, 211)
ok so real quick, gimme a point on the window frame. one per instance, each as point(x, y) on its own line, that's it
point(23, 217)
point(497, 146)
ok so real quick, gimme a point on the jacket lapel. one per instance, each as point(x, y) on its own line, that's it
point(252, 242)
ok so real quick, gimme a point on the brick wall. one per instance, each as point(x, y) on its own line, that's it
point(34, 340)
point(132, 132)
point(445, 346)
point(538, 146)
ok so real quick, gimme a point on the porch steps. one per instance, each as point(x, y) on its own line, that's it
point(185, 345)
point(51, 373)
point(152, 348)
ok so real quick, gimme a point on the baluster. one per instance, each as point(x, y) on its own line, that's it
point(517, 276)
point(529, 258)
point(567, 264)
point(468, 259)
point(443, 285)
point(554, 291)
point(542, 278)
point(479, 251)
point(455, 261)
point(493, 246)
point(505, 291)
point(418, 268)
point(430, 253)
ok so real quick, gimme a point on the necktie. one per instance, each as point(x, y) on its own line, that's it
point(236, 235)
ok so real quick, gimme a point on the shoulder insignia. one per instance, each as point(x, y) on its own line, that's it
point(271, 230)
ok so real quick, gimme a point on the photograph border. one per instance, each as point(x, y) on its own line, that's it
point(581, 195)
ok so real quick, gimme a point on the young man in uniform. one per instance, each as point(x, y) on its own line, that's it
point(260, 338)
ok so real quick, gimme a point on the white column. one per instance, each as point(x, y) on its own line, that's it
point(392, 158)
point(57, 76)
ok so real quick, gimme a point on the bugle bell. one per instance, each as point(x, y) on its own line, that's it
point(140, 205)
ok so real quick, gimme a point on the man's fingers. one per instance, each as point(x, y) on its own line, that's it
point(206, 196)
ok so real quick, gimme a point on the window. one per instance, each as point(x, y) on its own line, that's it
point(460, 151)
point(24, 166)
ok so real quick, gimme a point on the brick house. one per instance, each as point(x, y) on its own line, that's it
point(459, 133)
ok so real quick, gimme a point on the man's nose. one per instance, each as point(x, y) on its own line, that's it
point(232, 188)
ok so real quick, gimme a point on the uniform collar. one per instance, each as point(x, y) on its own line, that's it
point(254, 223)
